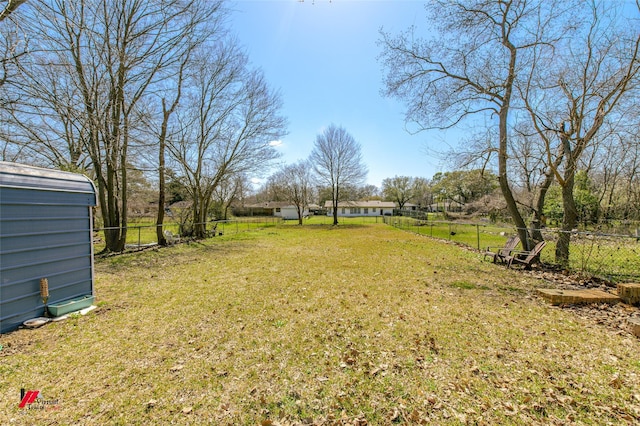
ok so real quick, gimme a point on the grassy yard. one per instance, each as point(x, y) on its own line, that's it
point(357, 324)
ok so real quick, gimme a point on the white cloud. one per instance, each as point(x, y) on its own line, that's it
point(275, 143)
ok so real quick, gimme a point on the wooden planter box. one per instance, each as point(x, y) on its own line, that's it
point(66, 306)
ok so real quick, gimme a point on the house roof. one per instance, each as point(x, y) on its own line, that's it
point(277, 204)
point(184, 204)
point(269, 205)
point(366, 204)
point(310, 206)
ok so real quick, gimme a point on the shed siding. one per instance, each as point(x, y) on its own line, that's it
point(45, 232)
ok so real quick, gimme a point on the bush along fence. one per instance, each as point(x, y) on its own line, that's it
point(612, 256)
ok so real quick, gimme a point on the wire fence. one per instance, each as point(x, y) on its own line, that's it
point(144, 235)
point(612, 256)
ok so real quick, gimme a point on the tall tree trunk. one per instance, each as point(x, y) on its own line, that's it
point(569, 222)
point(161, 174)
point(113, 239)
point(538, 214)
point(201, 202)
point(538, 211)
point(166, 114)
point(570, 213)
point(335, 205)
point(124, 206)
point(503, 178)
point(161, 190)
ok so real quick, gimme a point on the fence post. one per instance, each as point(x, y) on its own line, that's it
point(138, 237)
point(478, 234)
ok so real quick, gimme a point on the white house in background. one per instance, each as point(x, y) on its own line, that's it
point(290, 212)
point(410, 207)
point(281, 209)
point(361, 208)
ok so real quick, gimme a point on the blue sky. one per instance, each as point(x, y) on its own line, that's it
point(322, 57)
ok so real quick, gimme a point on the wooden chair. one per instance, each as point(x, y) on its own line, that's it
point(212, 232)
point(171, 238)
point(503, 252)
point(526, 258)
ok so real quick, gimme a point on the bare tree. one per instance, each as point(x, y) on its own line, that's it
point(621, 178)
point(531, 173)
point(13, 46)
point(9, 8)
point(225, 127)
point(166, 111)
point(469, 69)
point(229, 190)
point(294, 184)
point(94, 64)
point(48, 122)
point(168, 108)
point(592, 82)
point(337, 160)
point(206, 26)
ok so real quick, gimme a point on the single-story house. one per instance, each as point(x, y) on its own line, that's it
point(361, 208)
point(281, 209)
point(178, 208)
point(410, 207)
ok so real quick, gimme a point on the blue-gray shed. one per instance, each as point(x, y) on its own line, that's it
point(46, 231)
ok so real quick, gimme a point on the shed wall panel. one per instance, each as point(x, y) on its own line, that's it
point(45, 232)
point(62, 286)
point(28, 241)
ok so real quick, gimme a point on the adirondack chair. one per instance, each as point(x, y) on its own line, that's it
point(171, 238)
point(212, 232)
point(503, 252)
point(526, 258)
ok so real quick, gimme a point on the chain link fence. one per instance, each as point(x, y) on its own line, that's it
point(612, 256)
point(140, 236)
